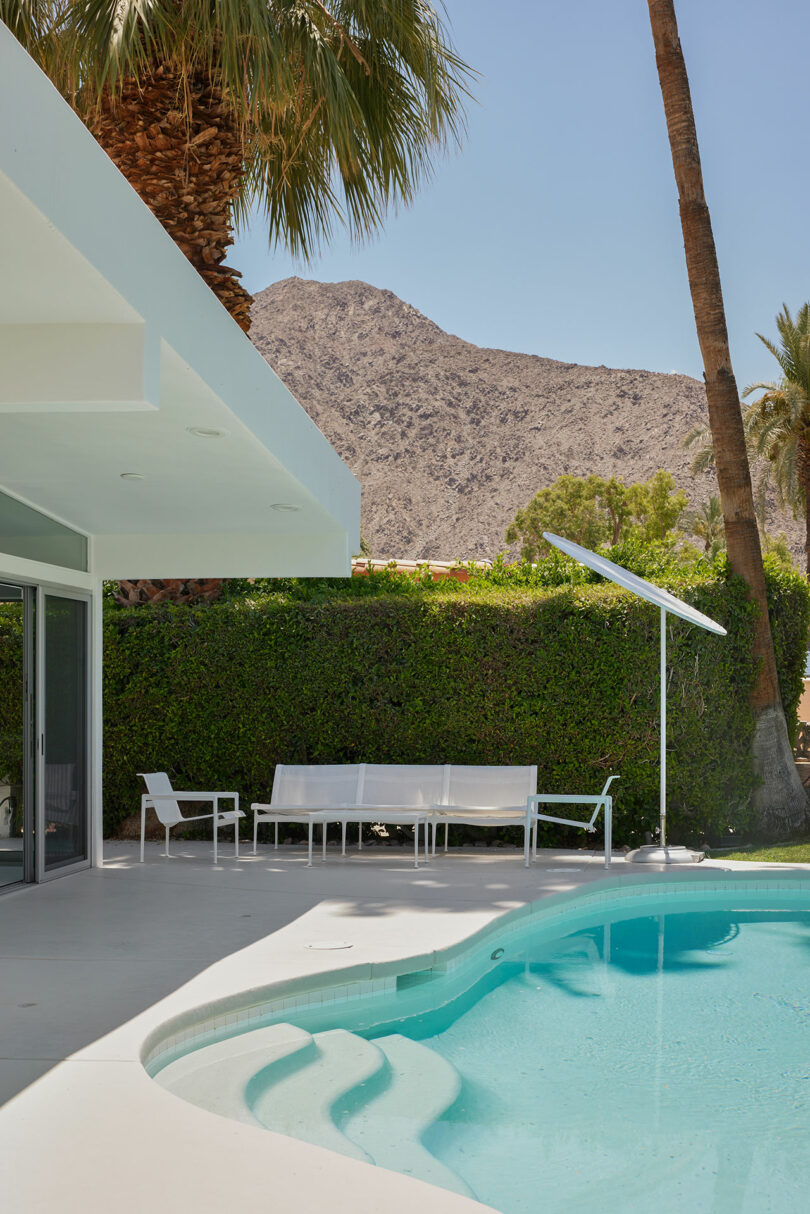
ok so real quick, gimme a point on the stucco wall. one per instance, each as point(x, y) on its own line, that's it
point(804, 702)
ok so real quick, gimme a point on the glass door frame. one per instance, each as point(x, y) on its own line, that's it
point(40, 742)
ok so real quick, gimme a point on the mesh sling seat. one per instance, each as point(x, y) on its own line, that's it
point(301, 789)
point(478, 795)
point(602, 800)
point(394, 794)
point(165, 801)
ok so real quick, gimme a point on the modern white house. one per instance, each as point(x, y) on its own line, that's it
point(141, 436)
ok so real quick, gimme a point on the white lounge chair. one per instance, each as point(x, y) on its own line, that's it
point(165, 801)
point(601, 801)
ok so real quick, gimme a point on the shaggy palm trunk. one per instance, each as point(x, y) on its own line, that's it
point(781, 799)
point(168, 590)
point(178, 145)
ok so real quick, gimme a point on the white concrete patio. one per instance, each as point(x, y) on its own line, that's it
point(91, 964)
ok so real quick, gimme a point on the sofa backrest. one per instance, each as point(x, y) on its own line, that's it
point(480, 787)
point(401, 785)
point(315, 785)
point(404, 786)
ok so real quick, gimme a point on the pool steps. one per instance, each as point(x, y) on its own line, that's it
point(217, 1077)
point(299, 1101)
point(371, 1100)
point(421, 1086)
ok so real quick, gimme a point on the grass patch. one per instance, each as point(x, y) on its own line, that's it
point(784, 853)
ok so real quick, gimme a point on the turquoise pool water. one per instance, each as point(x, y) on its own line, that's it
point(641, 1054)
point(656, 1064)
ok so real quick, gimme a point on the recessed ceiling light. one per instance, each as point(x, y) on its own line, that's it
point(132, 476)
point(287, 507)
point(206, 432)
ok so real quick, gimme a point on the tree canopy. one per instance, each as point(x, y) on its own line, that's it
point(592, 512)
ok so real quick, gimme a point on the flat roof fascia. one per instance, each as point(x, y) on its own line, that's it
point(50, 156)
point(263, 554)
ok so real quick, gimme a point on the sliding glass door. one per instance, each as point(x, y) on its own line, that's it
point(16, 737)
point(62, 838)
point(44, 733)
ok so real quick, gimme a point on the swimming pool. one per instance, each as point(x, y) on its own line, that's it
point(630, 1050)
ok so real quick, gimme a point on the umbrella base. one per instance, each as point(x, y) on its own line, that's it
point(653, 854)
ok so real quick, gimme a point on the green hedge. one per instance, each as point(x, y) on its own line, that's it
point(502, 670)
point(388, 669)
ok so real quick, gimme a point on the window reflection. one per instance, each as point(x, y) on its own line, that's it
point(11, 734)
point(26, 533)
point(65, 800)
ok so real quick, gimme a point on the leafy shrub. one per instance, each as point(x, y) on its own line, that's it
point(592, 511)
point(520, 665)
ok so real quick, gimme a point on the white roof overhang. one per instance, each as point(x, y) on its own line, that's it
point(113, 351)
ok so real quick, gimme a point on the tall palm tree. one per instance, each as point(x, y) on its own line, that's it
point(781, 798)
point(778, 423)
point(311, 112)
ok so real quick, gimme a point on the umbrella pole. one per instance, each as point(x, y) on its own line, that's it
point(660, 853)
point(663, 786)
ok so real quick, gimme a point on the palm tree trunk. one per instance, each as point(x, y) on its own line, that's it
point(168, 590)
point(781, 799)
point(187, 171)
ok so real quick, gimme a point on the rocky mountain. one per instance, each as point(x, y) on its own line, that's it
point(447, 439)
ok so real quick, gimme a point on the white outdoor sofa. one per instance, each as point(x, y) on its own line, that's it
point(602, 800)
point(350, 792)
point(393, 794)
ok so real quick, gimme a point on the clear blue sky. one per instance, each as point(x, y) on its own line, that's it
point(555, 229)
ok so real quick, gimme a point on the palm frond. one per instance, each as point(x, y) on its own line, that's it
point(704, 457)
point(342, 106)
point(778, 422)
point(29, 20)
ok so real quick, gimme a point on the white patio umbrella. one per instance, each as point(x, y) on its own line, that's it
point(666, 602)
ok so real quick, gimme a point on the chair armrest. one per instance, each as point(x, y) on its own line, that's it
point(221, 813)
point(602, 801)
point(565, 822)
point(562, 798)
point(187, 796)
